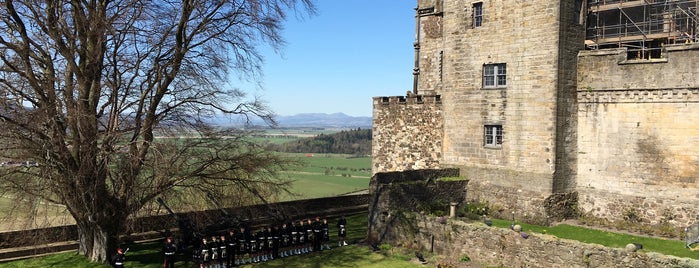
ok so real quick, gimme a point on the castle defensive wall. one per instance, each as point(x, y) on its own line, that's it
point(546, 115)
point(638, 134)
point(407, 133)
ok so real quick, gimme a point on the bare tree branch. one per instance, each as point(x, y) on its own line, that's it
point(86, 87)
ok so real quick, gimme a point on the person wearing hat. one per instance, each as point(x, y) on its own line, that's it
point(169, 250)
point(118, 259)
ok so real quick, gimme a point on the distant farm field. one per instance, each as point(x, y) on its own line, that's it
point(322, 175)
point(329, 175)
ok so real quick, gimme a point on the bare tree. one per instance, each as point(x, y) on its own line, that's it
point(85, 86)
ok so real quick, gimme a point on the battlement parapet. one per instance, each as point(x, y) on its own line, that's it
point(410, 99)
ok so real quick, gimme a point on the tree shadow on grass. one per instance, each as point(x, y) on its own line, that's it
point(337, 257)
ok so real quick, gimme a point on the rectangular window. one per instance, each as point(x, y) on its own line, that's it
point(494, 75)
point(493, 135)
point(477, 14)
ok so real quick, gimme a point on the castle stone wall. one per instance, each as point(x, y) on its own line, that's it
point(524, 37)
point(619, 135)
point(430, 29)
point(407, 133)
point(538, 43)
point(493, 246)
point(638, 131)
point(393, 193)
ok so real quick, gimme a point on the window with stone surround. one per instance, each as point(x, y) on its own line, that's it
point(492, 136)
point(477, 14)
point(494, 75)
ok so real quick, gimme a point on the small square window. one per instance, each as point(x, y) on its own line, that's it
point(477, 14)
point(494, 75)
point(492, 135)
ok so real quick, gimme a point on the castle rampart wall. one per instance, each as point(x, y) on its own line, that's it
point(638, 130)
point(407, 133)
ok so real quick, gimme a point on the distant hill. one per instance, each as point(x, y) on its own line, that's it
point(319, 120)
point(324, 120)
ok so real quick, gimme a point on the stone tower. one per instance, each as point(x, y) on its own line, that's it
point(552, 108)
point(501, 70)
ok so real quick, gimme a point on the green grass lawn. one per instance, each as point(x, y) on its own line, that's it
point(607, 238)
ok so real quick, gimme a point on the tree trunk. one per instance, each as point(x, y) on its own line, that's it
point(98, 239)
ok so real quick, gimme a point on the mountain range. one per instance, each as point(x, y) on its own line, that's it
point(322, 120)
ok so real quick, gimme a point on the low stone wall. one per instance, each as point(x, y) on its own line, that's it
point(414, 190)
point(257, 214)
point(503, 247)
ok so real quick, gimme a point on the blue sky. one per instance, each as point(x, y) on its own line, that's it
point(337, 60)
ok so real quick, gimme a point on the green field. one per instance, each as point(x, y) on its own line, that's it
point(329, 175)
point(322, 175)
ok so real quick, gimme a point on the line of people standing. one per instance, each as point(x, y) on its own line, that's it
point(243, 246)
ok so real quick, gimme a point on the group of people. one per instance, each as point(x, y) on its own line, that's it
point(243, 246)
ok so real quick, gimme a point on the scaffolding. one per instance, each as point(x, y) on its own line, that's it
point(643, 26)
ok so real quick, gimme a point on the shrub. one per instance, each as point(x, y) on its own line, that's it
point(385, 247)
point(474, 210)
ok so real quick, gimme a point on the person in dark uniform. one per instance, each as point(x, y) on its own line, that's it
point(317, 234)
point(285, 242)
point(231, 248)
point(204, 257)
point(294, 238)
point(262, 241)
point(169, 251)
point(309, 236)
point(118, 259)
point(253, 247)
point(269, 233)
point(302, 237)
point(222, 251)
point(276, 237)
point(215, 254)
point(341, 231)
point(242, 241)
point(325, 234)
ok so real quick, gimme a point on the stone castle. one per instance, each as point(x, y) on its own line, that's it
point(594, 104)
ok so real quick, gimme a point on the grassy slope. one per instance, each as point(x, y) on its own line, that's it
point(607, 238)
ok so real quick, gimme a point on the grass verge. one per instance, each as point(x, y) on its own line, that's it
point(607, 238)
